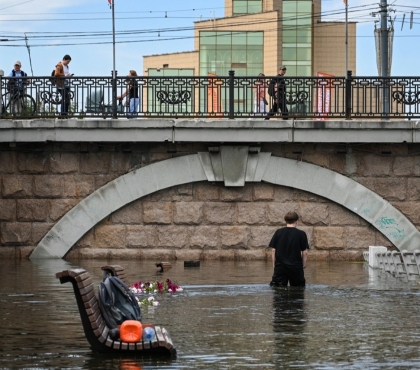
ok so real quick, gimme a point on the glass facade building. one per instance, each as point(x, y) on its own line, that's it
point(297, 37)
point(223, 51)
point(241, 7)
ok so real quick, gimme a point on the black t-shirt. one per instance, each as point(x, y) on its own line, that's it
point(289, 242)
point(134, 89)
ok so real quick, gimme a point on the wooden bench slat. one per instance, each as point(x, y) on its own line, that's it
point(168, 339)
point(159, 336)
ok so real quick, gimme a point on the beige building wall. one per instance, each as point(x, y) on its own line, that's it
point(330, 48)
point(185, 60)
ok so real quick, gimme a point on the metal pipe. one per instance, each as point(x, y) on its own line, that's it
point(114, 72)
point(384, 55)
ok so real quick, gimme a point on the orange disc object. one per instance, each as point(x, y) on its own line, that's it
point(131, 331)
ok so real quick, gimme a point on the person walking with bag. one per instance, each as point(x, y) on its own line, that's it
point(63, 84)
point(277, 89)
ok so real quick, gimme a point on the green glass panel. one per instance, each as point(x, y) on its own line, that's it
point(239, 7)
point(291, 69)
point(303, 36)
point(239, 39)
point(207, 38)
point(289, 6)
point(225, 56)
point(255, 56)
point(238, 56)
point(304, 20)
point(233, 47)
point(303, 63)
point(289, 54)
point(289, 22)
point(255, 38)
point(254, 6)
point(304, 71)
point(289, 36)
point(303, 54)
point(304, 6)
point(224, 38)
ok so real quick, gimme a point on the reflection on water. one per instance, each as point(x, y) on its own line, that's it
point(227, 317)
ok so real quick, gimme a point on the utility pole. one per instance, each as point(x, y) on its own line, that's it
point(347, 37)
point(384, 54)
point(114, 72)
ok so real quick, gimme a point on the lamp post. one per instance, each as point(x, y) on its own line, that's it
point(384, 55)
point(114, 72)
point(347, 37)
point(1, 99)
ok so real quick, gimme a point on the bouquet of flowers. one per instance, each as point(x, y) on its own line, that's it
point(150, 301)
point(166, 286)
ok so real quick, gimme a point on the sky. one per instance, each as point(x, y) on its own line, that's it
point(83, 29)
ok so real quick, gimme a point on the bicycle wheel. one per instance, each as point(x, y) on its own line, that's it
point(23, 105)
point(5, 108)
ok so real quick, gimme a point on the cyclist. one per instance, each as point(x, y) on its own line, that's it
point(16, 86)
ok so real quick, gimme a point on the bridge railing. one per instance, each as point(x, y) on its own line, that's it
point(231, 97)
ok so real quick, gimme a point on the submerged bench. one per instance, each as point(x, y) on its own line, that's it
point(95, 328)
point(115, 270)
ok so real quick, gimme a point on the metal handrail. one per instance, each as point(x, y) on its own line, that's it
point(224, 97)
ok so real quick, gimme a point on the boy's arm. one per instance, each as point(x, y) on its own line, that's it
point(304, 257)
point(273, 256)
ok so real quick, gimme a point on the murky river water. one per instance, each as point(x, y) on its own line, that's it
point(226, 318)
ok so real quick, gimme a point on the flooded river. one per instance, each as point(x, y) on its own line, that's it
point(227, 317)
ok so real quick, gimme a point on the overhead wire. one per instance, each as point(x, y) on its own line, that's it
point(125, 34)
point(162, 30)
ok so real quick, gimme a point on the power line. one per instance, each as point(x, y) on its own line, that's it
point(136, 33)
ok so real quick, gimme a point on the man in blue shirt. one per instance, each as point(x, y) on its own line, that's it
point(16, 86)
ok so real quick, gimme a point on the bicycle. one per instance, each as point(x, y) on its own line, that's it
point(18, 103)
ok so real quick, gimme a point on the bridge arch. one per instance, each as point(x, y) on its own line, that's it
point(234, 165)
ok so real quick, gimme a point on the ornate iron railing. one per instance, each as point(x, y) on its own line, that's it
point(229, 97)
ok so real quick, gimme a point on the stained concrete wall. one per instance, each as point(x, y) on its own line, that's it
point(40, 182)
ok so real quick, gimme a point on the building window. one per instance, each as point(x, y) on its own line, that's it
point(297, 37)
point(246, 7)
point(223, 51)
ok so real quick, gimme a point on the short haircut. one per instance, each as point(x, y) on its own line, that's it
point(66, 57)
point(291, 217)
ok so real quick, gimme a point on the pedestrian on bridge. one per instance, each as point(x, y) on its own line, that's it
point(277, 90)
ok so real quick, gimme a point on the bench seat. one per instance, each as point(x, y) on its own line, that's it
point(95, 327)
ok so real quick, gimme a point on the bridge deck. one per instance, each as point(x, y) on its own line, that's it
point(207, 131)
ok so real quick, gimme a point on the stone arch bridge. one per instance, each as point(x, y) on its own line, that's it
point(357, 167)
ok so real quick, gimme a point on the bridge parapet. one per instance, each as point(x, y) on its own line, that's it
point(231, 96)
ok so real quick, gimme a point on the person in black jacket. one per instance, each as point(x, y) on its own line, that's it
point(277, 89)
point(289, 253)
